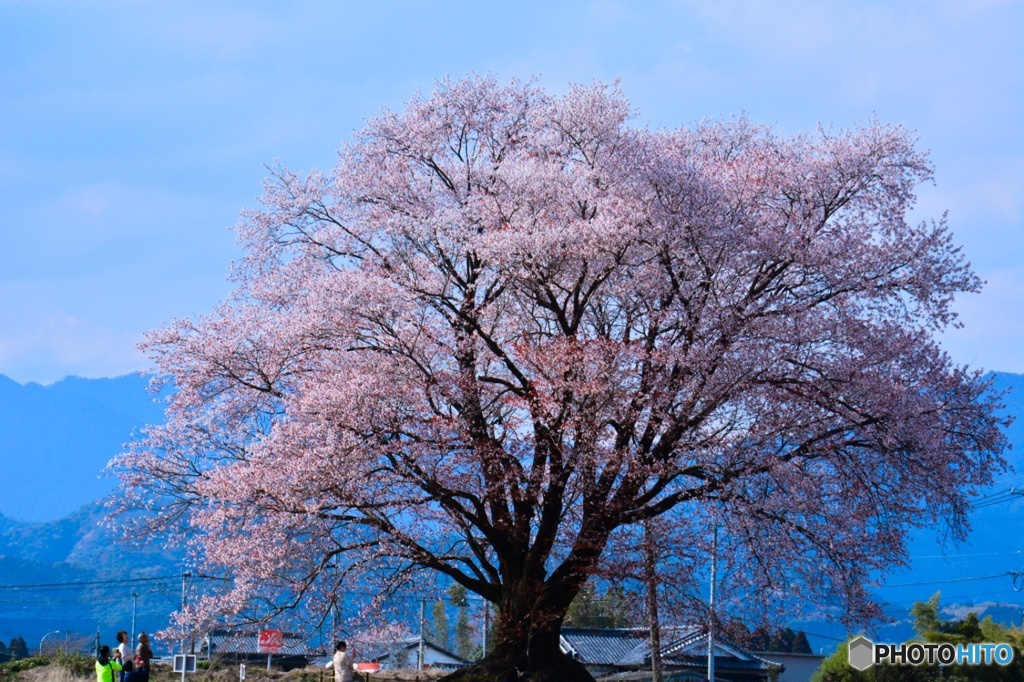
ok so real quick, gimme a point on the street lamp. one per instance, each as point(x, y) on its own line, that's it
point(55, 632)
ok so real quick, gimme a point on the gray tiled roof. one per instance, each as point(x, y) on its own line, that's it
point(601, 647)
point(380, 650)
point(682, 646)
point(674, 640)
point(235, 642)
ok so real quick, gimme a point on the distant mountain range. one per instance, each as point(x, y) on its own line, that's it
point(56, 440)
point(71, 575)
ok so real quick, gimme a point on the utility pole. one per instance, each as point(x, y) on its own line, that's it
point(423, 628)
point(337, 610)
point(135, 603)
point(185, 575)
point(487, 619)
point(335, 605)
point(334, 617)
point(711, 604)
point(651, 576)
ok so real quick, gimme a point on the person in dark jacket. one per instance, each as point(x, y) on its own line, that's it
point(143, 651)
point(135, 674)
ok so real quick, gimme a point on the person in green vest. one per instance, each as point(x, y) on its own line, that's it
point(105, 667)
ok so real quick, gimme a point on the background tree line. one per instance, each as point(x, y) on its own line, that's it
point(931, 627)
point(17, 649)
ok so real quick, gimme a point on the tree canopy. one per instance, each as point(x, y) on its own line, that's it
point(509, 327)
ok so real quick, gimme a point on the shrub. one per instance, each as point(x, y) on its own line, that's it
point(8, 671)
point(78, 664)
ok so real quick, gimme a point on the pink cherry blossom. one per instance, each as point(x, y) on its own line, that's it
point(510, 327)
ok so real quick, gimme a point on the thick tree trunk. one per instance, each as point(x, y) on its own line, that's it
point(526, 640)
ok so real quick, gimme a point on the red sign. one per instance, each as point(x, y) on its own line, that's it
point(270, 641)
point(367, 667)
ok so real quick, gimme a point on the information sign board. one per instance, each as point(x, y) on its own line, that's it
point(270, 641)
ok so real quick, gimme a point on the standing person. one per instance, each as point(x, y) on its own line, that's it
point(123, 652)
point(124, 647)
point(342, 662)
point(105, 666)
point(143, 652)
point(143, 655)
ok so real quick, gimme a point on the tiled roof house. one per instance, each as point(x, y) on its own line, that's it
point(404, 654)
point(242, 647)
point(625, 654)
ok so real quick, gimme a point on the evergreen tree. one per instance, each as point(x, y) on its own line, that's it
point(463, 630)
point(592, 609)
point(760, 639)
point(439, 633)
point(968, 629)
point(735, 631)
point(926, 616)
point(782, 641)
point(994, 632)
point(616, 607)
point(581, 609)
point(18, 649)
point(3, 652)
point(800, 644)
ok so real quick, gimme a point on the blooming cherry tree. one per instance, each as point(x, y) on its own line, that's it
point(508, 328)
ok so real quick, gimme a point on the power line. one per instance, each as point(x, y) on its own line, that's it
point(997, 498)
point(973, 596)
point(813, 634)
point(107, 582)
point(951, 580)
point(84, 583)
point(995, 494)
point(958, 556)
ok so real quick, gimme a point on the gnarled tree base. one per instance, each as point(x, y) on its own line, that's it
point(554, 668)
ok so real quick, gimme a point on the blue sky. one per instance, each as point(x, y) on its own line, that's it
point(132, 133)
